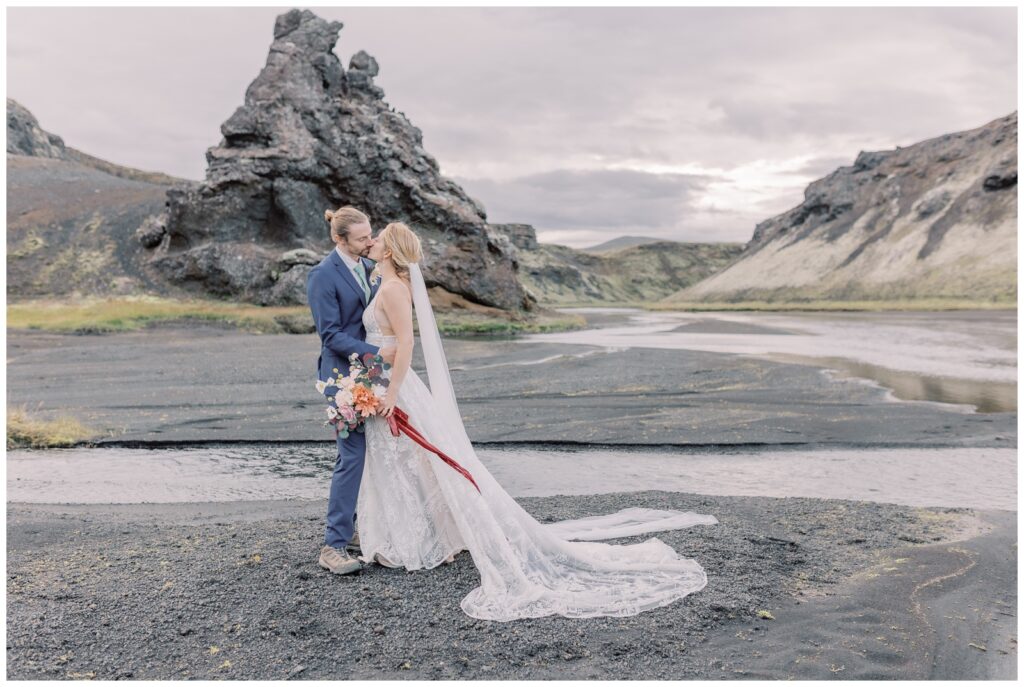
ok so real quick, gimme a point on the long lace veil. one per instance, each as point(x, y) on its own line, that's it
point(433, 353)
point(626, 522)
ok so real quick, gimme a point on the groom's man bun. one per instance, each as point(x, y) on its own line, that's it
point(343, 218)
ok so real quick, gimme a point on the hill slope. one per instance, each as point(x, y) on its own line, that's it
point(937, 219)
point(621, 242)
point(72, 217)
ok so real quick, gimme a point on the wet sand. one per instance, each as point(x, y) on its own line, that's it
point(933, 612)
point(177, 384)
point(952, 477)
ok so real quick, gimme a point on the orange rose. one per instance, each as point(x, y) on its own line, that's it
point(364, 400)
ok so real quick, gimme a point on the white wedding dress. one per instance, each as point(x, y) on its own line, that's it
point(416, 511)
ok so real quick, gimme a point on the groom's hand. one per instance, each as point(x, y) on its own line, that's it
point(388, 353)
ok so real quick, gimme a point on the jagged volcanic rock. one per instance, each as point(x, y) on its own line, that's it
point(311, 136)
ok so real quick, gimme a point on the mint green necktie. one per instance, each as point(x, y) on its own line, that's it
point(361, 276)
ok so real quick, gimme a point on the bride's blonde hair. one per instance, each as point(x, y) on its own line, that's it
point(404, 246)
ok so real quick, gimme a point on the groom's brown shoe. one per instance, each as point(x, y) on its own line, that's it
point(338, 562)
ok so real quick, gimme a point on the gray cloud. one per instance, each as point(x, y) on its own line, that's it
point(750, 98)
point(592, 206)
point(599, 199)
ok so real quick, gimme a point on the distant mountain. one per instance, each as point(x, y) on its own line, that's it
point(622, 242)
point(559, 275)
point(937, 219)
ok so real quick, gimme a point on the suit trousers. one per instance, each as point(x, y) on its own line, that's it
point(341, 504)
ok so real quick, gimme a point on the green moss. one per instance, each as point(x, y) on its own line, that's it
point(479, 325)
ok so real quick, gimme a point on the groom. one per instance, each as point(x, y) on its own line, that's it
point(338, 291)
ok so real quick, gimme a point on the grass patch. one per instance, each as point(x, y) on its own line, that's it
point(26, 431)
point(899, 304)
point(474, 324)
point(130, 313)
point(89, 316)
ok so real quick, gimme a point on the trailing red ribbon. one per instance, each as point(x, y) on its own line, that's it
point(398, 421)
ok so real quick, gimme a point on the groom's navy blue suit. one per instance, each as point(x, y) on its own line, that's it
point(338, 301)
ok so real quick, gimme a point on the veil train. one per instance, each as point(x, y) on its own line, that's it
point(528, 568)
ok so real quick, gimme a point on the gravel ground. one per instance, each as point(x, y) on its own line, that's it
point(233, 591)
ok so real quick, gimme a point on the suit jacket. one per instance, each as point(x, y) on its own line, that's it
point(338, 302)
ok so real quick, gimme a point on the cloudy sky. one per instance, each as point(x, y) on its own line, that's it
point(685, 123)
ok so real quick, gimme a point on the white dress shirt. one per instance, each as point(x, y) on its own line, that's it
point(347, 260)
point(352, 265)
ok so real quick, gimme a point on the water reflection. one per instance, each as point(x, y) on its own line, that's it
point(986, 397)
point(957, 357)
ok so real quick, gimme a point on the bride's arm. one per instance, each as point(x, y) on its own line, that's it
point(397, 304)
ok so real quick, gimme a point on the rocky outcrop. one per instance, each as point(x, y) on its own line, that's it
point(937, 219)
point(26, 137)
point(312, 135)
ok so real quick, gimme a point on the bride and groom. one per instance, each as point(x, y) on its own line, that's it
point(416, 512)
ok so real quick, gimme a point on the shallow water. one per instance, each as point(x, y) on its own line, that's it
point(960, 357)
point(967, 477)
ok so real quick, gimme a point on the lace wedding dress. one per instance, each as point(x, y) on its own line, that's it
point(416, 511)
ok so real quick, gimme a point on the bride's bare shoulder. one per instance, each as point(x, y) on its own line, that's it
point(395, 295)
point(396, 291)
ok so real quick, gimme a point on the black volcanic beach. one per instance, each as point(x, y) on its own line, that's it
point(799, 587)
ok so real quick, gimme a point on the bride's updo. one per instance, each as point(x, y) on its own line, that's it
point(404, 246)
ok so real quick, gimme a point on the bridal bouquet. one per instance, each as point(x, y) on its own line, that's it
point(357, 396)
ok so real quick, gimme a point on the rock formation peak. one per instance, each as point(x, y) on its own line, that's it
point(309, 136)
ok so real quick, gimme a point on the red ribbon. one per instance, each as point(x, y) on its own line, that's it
point(398, 421)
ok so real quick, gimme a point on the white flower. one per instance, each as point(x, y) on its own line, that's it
point(354, 357)
point(379, 390)
point(344, 398)
point(332, 412)
point(320, 386)
point(346, 383)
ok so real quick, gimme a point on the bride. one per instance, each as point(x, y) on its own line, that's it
point(417, 512)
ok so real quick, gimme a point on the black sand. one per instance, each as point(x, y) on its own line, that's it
point(198, 384)
point(233, 591)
